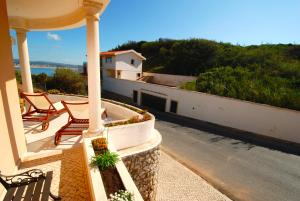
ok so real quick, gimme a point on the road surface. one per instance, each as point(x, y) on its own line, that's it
point(241, 170)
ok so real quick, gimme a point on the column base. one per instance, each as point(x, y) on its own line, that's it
point(93, 133)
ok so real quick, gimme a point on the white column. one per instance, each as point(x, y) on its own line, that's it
point(93, 69)
point(24, 60)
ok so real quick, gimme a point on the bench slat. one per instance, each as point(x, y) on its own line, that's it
point(10, 194)
point(47, 185)
point(29, 191)
point(19, 193)
point(37, 190)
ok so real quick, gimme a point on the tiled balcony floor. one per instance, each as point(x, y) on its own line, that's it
point(69, 173)
point(38, 140)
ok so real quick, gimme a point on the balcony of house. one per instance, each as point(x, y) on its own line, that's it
point(56, 133)
point(129, 130)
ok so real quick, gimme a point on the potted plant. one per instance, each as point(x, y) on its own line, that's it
point(106, 161)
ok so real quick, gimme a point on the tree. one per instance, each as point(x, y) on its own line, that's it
point(68, 81)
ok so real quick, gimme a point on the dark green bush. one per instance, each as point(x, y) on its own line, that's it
point(18, 77)
point(255, 86)
point(67, 81)
point(53, 91)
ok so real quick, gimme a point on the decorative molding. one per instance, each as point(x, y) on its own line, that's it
point(77, 18)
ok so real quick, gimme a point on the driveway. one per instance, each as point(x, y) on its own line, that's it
point(241, 170)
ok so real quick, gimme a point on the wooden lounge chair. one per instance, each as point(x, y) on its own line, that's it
point(41, 108)
point(32, 185)
point(78, 119)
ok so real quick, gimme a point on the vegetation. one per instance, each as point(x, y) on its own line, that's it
point(18, 77)
point(265, 73)
point(245, 84)
point(121, 195)
point(105, 160)
point(135, 119)
point(53, 91)
point(68, 81)
point(64, 80)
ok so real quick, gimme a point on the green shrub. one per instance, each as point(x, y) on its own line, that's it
point(40, 80)
point(189, 86)
point(54, 91)
point(18, 76)
point(68, 81)
point(105, 160)
point(37, 90)
point(256, 86)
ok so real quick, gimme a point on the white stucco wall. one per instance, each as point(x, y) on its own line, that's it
point(129, 75)
point(257, 118)
point(122, 63)
point(110, 65)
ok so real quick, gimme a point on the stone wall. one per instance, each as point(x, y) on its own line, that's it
point(143, 168)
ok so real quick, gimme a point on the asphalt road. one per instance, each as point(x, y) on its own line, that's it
point(237, 166)
point(241, 170)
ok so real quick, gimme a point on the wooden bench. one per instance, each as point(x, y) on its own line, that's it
point(32, 185)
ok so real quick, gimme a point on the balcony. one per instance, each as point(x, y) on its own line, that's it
point(128, 139)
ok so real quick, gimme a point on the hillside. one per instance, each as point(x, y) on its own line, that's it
point(267, 73)
point(191, 57)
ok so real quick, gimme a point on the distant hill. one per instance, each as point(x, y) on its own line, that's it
point(50, 64)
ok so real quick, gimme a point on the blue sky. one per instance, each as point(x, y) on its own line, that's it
point(236, 21)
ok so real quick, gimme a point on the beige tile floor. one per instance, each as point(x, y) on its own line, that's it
point(69, 173)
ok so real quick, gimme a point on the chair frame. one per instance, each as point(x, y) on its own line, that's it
point(32, 109)
point(72, 120)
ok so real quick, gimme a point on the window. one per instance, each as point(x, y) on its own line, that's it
point(135, 96)
point(173, 106)
point(138, 75)
point(108, 59)
point(132, 62)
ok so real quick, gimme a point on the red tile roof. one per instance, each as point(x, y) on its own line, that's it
point(112, 53)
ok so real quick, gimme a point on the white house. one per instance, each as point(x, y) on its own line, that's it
point(124, 64)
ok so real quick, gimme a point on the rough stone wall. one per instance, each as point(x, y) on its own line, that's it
point(143, 168)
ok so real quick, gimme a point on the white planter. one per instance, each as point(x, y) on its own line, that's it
point(94, 177)
point(131, 135)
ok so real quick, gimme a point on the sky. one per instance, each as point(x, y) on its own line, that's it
point(244, 22)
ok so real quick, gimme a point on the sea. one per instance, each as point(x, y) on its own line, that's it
point(47, 70)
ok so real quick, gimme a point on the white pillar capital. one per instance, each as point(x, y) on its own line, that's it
point(92, 7)
point(21, 31)
point(93, 17)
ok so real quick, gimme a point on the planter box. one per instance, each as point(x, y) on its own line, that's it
point(96, 185)
point(130, 135)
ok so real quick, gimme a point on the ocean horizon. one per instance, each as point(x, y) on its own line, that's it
point(47, 70)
